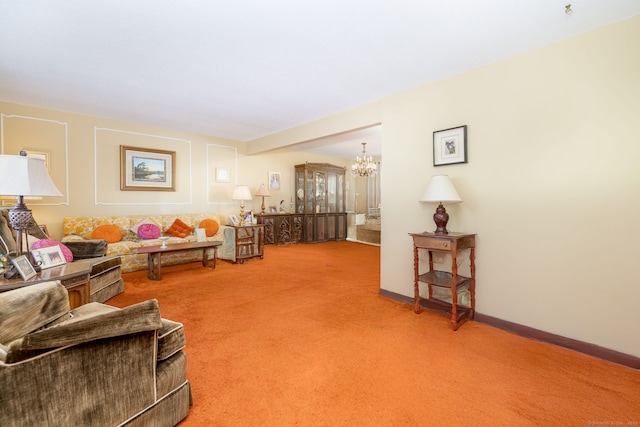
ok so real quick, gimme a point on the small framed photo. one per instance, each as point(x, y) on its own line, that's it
point(248, 217)
point(44, 230)
point(48, 257)
point(24, 267)
point(222, 175)
point(201, 235)
point(273, 209)
point(233, 219)
point(450, 146)
point(274, 180)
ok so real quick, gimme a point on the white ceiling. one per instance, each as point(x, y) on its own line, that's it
point(242, 69)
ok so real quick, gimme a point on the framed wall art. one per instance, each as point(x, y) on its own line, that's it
point(450, 146)
point(274, 180)
point(146, 169)
point(222, 175)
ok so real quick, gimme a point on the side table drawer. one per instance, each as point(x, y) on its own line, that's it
point(432, 243)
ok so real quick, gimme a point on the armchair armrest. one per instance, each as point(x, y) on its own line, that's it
point(144, 316)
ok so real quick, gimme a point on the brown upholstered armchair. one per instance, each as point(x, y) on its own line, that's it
point(93, 366)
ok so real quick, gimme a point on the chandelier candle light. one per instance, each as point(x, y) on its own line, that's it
point(242, 193)
point(262, 192)
point(364, 166)
point(440, 189)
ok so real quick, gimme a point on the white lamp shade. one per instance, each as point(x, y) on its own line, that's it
point(262, 191)
point(241, 192)
point(25, 176)
point(440, 189)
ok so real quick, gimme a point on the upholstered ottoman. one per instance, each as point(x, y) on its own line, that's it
point(105, 280)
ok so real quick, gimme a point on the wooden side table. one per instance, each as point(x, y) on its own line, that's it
point(452, 244)
point(74, 277)
point(249, 242)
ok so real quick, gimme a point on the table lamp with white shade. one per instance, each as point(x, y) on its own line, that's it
point(241, 193)
point(439, 190)
point(22, 176)
point(262, 192)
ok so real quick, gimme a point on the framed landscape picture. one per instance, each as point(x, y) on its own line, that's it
point(146, 169)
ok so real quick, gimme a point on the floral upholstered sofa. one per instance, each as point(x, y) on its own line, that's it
point(131, 227)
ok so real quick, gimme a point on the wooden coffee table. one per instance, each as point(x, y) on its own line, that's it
point(155, 255)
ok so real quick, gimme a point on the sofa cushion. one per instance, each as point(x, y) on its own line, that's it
point(210, 226)
point(45, 243)
point(108, 232)
point(85, 249)
point(148, 231)
point(179, 229)
point(170, 339)
point(7, 237)
point(137, 225)
point(27, 309)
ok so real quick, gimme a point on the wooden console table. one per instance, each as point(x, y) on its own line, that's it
point(451, 244)
point(74, 277)
point(154, 259)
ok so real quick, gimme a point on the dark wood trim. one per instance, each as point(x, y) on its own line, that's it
point(538, 335)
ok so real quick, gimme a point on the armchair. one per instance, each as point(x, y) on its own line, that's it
point(95, 365)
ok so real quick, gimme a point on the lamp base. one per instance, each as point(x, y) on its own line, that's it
point(441, 217)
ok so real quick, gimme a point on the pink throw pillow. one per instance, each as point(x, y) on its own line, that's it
point(45, 243)
point(148, 231)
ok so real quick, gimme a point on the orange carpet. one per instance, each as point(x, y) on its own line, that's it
point(303, 338)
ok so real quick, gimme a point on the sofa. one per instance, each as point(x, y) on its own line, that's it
point(78, 229)
point(105, 279)
point(95, 365)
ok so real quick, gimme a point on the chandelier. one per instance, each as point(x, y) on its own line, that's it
point(364, 166)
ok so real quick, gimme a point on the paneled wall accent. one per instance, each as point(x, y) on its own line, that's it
point(222, 174)
point(47, 139)
point(107, 166)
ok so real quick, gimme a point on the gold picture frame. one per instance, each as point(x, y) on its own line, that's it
point(146, 169)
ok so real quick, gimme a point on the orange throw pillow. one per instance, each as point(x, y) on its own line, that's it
point(110, 233)
point(179, 229)
point(210, 226)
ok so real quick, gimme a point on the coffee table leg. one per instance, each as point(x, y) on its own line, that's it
point(155, 263)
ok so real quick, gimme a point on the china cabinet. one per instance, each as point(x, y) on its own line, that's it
point(320, 199)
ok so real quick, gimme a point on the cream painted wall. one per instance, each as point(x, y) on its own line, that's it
point(551, 188)
point(85, 165)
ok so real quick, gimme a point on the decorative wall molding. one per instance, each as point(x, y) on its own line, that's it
point(64, 189)
point(225, 157)
point(109, 151)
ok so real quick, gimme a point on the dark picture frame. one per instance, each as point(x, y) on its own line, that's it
point(450, 146)
point(146, 169)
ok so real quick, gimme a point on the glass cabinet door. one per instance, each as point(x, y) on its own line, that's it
point(331, 192)
point(308, 197)
point(340, 194)
point(299, 191)
point(321, 190)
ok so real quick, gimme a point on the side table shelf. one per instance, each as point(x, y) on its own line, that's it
point(451, 244)
point(249, 242)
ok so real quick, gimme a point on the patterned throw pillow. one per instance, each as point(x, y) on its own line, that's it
point(45, 243)
point(179, 229)
point(110, 233)
point(210, 226)
point(148, 231)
